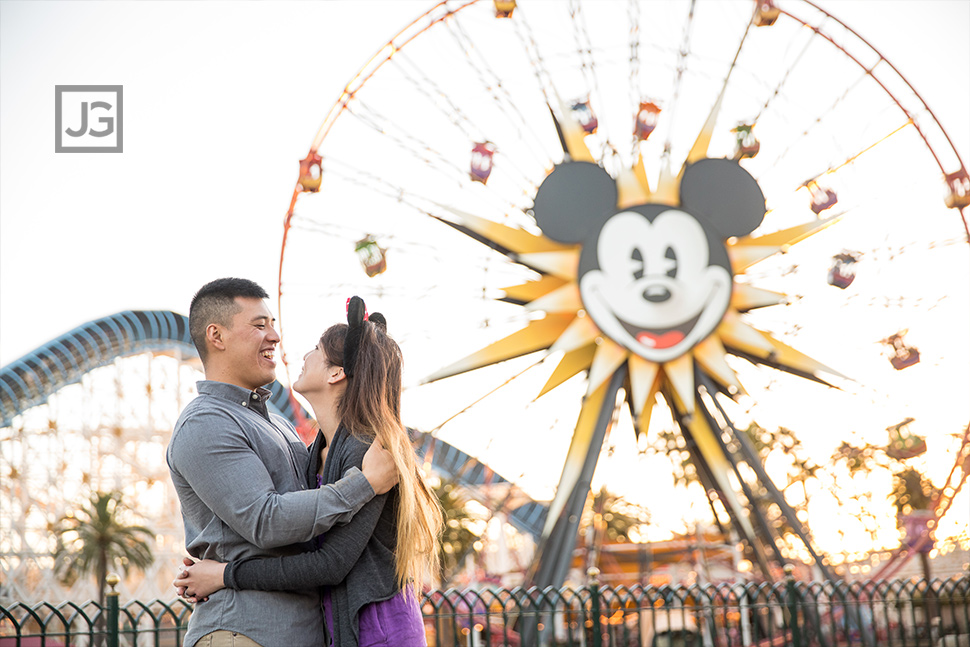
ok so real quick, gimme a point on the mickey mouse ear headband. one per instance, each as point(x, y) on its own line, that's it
point(356, 316)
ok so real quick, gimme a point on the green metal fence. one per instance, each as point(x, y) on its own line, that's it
point(900, 613)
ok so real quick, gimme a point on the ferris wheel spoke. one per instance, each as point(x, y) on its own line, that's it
point(492, 82)
point(472, 131)
point(421, 150)
point(784, 79)
point(678, 78)
point(584, 52)
point(816, 122)
point(699, 149)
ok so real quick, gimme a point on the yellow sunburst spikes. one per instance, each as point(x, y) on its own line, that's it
point(534, 289)
point(571, 363)
point(746, 297)
point(736, 333)
point(785, 355)
point(578, 448)
point(699, 149)
point(539, 334)
point(581, 331)
point(643, 386)
point(517, 240)
point(563, 264)
point(668, 186)
point(609, 356)
point(632, 185)
point(680, 373)
point(563, 299)
point(743, 257)
point(789, 236)
point(574, 135)
point(747, 251)
point(710, 354)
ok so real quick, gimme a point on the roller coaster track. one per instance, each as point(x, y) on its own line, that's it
point(32, 379)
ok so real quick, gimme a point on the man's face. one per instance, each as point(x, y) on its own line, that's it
point(251, 345)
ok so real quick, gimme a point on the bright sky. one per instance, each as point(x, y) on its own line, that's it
point(221, 100)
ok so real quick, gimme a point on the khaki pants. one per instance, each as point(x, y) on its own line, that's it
point(226, 639)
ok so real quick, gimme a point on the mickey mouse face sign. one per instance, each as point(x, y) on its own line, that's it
point(654, 278)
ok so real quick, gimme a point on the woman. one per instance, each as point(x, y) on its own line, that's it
point(374, 565)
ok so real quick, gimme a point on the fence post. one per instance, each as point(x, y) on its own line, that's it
point(792, 595)
point(594, 598)
point(112, 627)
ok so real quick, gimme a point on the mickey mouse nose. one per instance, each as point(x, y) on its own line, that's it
point(656, 293)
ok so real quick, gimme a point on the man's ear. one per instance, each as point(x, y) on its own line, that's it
point(335, 374)
point(214, 336)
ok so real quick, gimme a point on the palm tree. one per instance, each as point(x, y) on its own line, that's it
point(95, 538)
point(459, 534)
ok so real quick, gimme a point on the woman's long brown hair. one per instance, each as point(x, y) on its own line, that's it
point(370, 409)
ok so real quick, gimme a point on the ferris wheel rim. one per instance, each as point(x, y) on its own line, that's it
point(407, 35)
point(375, 63)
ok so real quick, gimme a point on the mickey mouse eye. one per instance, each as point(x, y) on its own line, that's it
point(670, 262)
point(638, 264)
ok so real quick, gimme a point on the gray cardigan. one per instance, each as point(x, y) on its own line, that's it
point(356, 560)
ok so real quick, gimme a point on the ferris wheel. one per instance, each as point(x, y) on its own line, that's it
point(590, 221)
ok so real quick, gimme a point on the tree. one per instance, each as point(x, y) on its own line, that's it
point(459, 534)
point(846, 476)
point(95, 538)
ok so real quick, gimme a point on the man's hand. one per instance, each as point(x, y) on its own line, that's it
point(378, 467)
point(180, 588)
point(198, 580)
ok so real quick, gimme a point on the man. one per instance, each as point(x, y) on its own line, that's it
point(239, 473)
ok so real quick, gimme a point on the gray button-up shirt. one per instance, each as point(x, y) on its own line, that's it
point(239, 473)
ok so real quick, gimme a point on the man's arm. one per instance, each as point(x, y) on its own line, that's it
point(228, 476)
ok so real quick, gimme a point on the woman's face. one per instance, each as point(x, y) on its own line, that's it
point(314, 375)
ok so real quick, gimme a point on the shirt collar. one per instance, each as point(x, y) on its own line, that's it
point(255, 400)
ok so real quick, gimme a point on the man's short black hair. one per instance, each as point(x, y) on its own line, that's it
point(215, 303)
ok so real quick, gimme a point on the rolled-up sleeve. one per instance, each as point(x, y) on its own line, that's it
point(232, 481)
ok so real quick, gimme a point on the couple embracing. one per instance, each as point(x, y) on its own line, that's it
point(318, 546)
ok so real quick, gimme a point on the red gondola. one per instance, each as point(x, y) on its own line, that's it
point(647, 117)
point(903, 356)
point(842, 272)
point(311, 172)
point(822, 198)
point(585, 116)
point(481, 165)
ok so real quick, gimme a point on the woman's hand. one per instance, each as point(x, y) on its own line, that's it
point(198, 580)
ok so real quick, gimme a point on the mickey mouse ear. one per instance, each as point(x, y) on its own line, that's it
point(572, 199)
point(725, 194)
point(356, 311)
point(378, 320)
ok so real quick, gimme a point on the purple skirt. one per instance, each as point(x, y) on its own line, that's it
point(396, 622)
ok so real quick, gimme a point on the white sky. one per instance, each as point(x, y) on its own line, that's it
point(221, 100)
